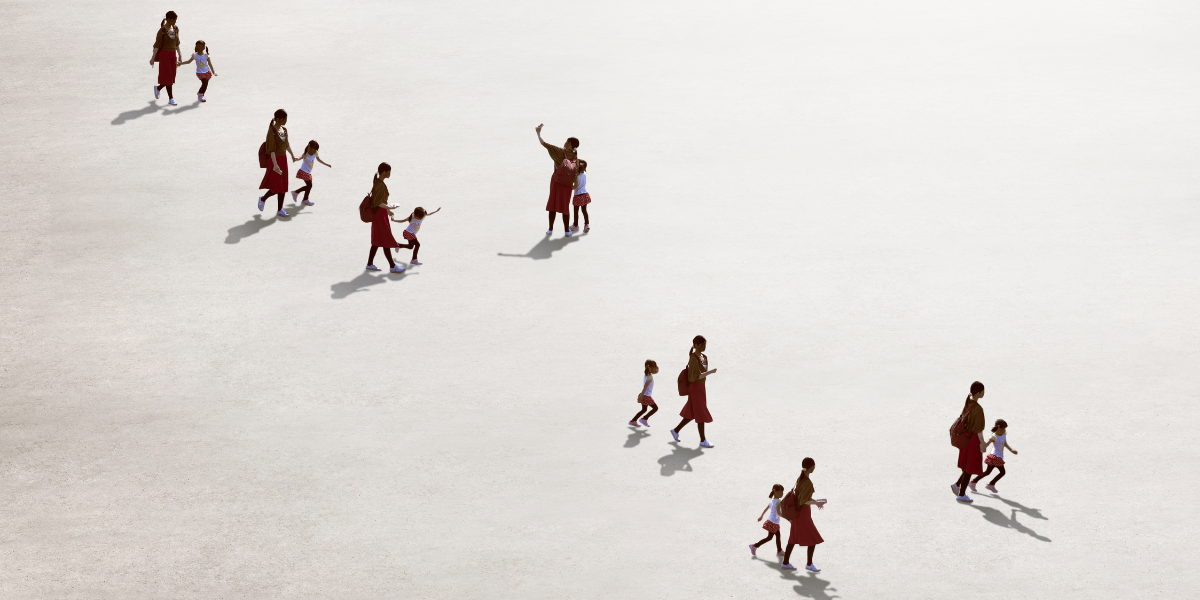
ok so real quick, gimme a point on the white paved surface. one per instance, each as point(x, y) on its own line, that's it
point(863, 205)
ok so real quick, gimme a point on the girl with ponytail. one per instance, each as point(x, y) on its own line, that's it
point(277, 146)
point(381, 227)
point(697, 404)
point(205, 69)
point(799, 503)
point(167, 54)
point(772, 522)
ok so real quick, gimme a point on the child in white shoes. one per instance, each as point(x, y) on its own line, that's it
point(995, 460)
point(772, 522)
point(646, 397)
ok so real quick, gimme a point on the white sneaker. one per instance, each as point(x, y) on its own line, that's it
point(156, 91)
point(787, 567)
point(705, 444)
point(397, 269)
point(753, 550)
point(415, 262)
point(633, 424)
point(812, 568)
point(644, 422)
point(568, 234)
point(587, 228)
point(201, 96)
point(261, 204)
point(372, 268)
point(549, 232)
point(293, 196)
point(172, 102)
point(675, 434)
point(307, 203)
point(954, 488)
point(991, 488)
point(972, 486)
point(283, 213)
point(964, 499)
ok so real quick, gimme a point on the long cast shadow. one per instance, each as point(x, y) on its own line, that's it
point(238, 233)
point(680, 459)
point(1033, 512)
point(809, 584)
point(194, 105)
point(364, 281)
point(545, 248)
point(636, 436)
point(130, 115)
point(996, 517)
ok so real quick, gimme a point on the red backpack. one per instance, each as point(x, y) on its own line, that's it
point(366, 212)
point(263, 161)
point(684, 384)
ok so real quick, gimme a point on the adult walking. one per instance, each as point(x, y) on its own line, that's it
point(799, 505)
point(167, 54)
point(381, 227)
point(275, 180)
point(697, 404)
point(970, 456)
point(562, 182)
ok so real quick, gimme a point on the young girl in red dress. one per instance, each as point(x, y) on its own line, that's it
point(205, 69)
point(167, 54)
point(414, 221)
point(772, 522)
point(697, 404)
point(381, 229)
point(304, 173)
point(646, 397)
point(803, 532)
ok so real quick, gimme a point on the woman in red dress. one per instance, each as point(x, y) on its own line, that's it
point(970, 456)
point(167, 55)
point(275, 180)
point(562, 182)
point(381, 227)
point(803, 532)
point(697, 404)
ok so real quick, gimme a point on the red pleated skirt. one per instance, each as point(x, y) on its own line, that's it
point(697, 404)
point(970, 459)
point(275, 183)
point(804, 533)
point(381, 230)
point(166, 67)
point(560, 198)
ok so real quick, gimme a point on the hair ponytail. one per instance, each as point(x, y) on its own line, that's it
point(696, 341)
point(383, 168)
point(773, 488)
point(1000, 424)
point(806, 464)
point(170, 16)
point(650, 365)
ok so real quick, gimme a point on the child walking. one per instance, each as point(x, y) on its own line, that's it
point(304, 173)
point(995, 460)
point(414, 220)
point(772, 522)
point(205, 69)
point(646, 397)
point(582, 199)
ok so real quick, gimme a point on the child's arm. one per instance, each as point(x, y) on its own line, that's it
point(1010, 447)
point(764, 512)
point(318, 157)
point(427, 214)
point(211, 67)
point(405, 219)
point(193, 57)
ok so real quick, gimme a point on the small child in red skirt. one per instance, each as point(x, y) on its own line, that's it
point(205, 69)
point(414, 220)
point(646, 397)
point(772, 522)
point(304, 173)
point(582, 199)
point(995, 460)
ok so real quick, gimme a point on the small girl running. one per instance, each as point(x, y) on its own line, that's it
point(582, 199)
point(304, 173)
point(999, 442)
point(646, 397)
point(772, 522)
point(205, 69)
point(414, 220)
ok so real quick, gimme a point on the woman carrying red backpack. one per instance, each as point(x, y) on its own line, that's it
point(970, 455)
point(797, 508)
point(697, 404)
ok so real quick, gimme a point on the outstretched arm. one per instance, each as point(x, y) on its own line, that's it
point(764, 512)
point(434, 212)
point(212, 68)
point(190, 59)
point(1014, 450)
point(318, 157)
point(405, 219)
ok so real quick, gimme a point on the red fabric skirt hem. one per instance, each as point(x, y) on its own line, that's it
point(771, 526)
point(803, 532)
point(560, 198)
point(275, 183)
point(697, 404)
point(166, 67)
point(381, 230)
point(970, 459)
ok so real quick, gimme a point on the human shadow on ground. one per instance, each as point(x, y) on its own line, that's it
point(130, 115)
point(635, 436)
point(1033, 512)
point(545, 248)
point(364, 281)
point(194, 105)
point(997, 517)
point(808, 584)
point(238, 233)
point(680, 459)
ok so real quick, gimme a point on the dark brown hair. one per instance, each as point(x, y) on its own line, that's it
point(573, 141)
point(976, 387)
point(199, 44)
point(582, 166)
point(696, 341)
point(1000, 424)
point(773, 488)
point(171, 16)
point(314, 145)
point(650, 365)
point(806, 464)
point(279, 114)
point(419, 212)
point(383, 168)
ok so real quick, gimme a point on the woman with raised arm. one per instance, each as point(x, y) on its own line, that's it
point(562, 182)
point(697, 404)
point(167, 54)
point(803, 532)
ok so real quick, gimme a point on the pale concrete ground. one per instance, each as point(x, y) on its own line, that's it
point(864, 206)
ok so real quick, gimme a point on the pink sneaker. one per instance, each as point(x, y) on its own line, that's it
point(415, 262)
point(632, 424)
